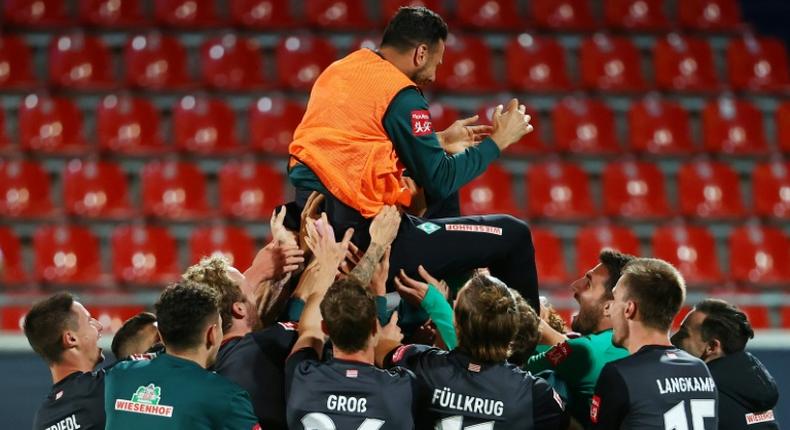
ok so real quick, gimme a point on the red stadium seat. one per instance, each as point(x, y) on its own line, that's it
point(733, 127)
point(186, 13)
point(760, 255)
point(156, 62)
point(759, 316)
point(300, 59)
point(692, 250)
point(709, 190)
point(783, 126)
point(173, 190)
point(591, 240)
point(529, 144)
point(550, 261)
point(249, 190)
point(144, 255)
point(785, 316)
point(536, 63)
point(112, 13)
point(443, 116)
point(646, 15)
point(338, 14)
point(558, 191)
point(49, 124)
point(35, 13)
point(13, 272)
point(204, 126)
point(233, 243)
point(25, 188)
point(489, 14)
point(757, 63)
point(95, 189)
point(771, 189)
point(16, 63)
point(466, 66)
point(81, 62)
point(584, 126)
point(713, 15)
point(564, 15)
point(272, 122)
point(231, 63)
point(634, 190)
point(684, 64)
point(659, 127)
point(5, 143)
point(128, 125)
point(611, 64)
point(684, 310)
point(112, 317)
point(261, 14)
point(389, 7)
point(491, 192)
point(67, 255)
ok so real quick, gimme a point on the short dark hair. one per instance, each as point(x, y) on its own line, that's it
point(614, 261)
point(726, 323)
point(412, 26)
point(183, 311)
point(45, 323)
point(349, 313)
point(127, 334)
point(213, 272)
point(658, 289)
point(487, 319)
point(528, 335)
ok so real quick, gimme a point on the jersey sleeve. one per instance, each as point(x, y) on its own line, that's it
point(548, 408)
point(407, 356)
point(441, 314)
point(293, 362)
point(239, 414)
point(610, 401)
point(419, 150)
point(570, 359)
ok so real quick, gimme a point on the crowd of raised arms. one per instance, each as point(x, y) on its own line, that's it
point(307, 338)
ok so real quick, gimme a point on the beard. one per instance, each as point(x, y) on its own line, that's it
point(588, 318)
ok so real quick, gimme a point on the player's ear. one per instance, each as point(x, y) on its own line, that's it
point(69, 339)
point(239, 310)
point(713, 348)
point(630, 309)
point(421, 54)
point(323, 328)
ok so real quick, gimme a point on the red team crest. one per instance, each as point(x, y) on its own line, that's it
point(596, 404)
point(421, 123)
point(559, 353)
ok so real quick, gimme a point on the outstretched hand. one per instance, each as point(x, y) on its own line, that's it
point(321, 240)
point(462, 134)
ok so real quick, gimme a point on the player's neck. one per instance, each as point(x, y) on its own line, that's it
point(399, 60)
point(365, 356)
point(641, 336)
point(604, 324)
point(194, 355)
point(238, 329)
point(67, 366)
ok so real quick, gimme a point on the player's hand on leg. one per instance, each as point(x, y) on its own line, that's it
point(510, 124)
point(378, 284)
point(310, 212)
point(279, 232)
point(321, 240)
point(384, 227)
point(414, 291)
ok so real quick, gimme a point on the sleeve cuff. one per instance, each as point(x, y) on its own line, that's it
point(381, 309)
point(489, 149)
point(293, 310)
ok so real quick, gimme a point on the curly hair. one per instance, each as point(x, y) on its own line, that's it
point(487, 318)
point(528, 335)
point(184, 310)
point(213, 272)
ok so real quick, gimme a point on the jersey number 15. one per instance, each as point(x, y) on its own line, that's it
point(676, 418)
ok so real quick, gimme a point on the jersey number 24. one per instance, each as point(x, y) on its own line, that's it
point(319, 421)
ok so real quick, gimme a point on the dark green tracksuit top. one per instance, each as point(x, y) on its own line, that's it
point(173, 393)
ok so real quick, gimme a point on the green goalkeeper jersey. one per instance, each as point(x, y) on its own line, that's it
point(578, 362)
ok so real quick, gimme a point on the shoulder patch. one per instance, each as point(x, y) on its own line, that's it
point(421, 123)
point(559, 353)
point(594, 407)
point(399, 353)
point(290, 325)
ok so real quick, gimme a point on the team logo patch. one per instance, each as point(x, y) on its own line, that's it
point(428, 227)
point(474, 367)
point(352, 373)
point(421, 123)
point(290, 325)
point(471, 228)
point(762, 417)
point(59, 395)
point(145, 401)
point(559, 353)
point(399, 353)
point(594, 406)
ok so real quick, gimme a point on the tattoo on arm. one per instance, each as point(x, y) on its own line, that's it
point(363, 273)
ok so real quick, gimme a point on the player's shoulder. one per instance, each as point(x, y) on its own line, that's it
point(397, 372)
